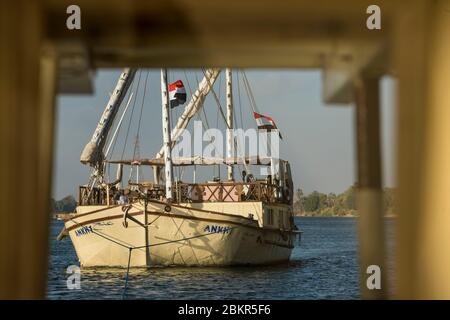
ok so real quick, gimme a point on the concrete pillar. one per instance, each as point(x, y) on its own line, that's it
point(369, 190)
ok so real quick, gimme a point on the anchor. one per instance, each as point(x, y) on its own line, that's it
point(127, 216)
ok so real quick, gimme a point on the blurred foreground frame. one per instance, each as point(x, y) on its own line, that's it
point(41, 58)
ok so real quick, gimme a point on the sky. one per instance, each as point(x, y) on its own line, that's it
point(318, 139)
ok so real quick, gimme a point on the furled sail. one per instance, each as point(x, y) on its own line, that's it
point(93, 151)
point(194, 105)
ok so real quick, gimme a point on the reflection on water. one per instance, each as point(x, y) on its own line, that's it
point(323, 266)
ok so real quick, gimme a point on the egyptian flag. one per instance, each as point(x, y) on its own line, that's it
point(177, 93)
point(265, 122)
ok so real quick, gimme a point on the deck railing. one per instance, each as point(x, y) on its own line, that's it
point(195, 192)
point(229, 192)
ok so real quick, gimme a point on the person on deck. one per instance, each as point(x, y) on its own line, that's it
point(123, 199)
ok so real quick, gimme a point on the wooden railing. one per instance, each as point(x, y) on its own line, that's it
point(229, 192)
point(94, 196)
point(194, 192)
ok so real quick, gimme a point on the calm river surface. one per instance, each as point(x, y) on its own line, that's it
point(323, 266)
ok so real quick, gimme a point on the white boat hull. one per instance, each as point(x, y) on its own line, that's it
point(185, 236)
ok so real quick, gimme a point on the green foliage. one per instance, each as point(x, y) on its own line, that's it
point(66, 204)
point(311, 202)
point(344, 204)
point(349, 198)
point(298, 201)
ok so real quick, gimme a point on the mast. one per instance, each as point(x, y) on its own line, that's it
point(230, 144)
point(195, 104)
point(166, 134)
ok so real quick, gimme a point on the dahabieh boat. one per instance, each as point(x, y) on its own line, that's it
point(165, 222)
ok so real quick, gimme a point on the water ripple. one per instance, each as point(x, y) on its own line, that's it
point(323, 266)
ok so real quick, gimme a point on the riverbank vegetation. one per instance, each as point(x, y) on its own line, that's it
point(317, 204)
point(67, 204)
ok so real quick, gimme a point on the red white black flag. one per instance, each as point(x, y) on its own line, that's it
point(265, 122)
point(177, 93)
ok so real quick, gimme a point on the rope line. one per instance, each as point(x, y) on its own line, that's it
point(127, 274)
point(131, 248)
point(116, 124)
point(225, 120)
point(178, 240)
point(138, 131)
point(219, 106)
point(131, 115)
point(133, 85)
point(250, 92)
point(104, 236)
point(252, 101)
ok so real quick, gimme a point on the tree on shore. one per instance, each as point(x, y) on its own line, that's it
point(321, 204)
point(66, 204)
point(299, 201)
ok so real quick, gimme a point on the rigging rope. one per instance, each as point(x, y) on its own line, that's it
point(118, 124)
point(204, 115)
point(250, 92)
point(248, 88)
point(225, 120)
point(217, 100)
point(131, 116)
point(130, 93)
point(138, 131)
point(237, 145)
point(205, 123)
point(127, 274)
point(198, 114)
point(131, 248)
point(203, 111)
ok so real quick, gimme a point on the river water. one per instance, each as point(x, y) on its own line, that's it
point(323, 266)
